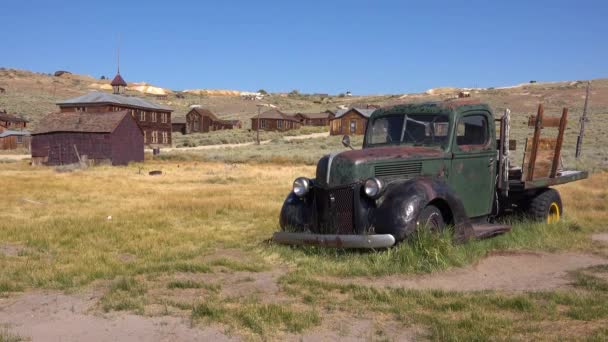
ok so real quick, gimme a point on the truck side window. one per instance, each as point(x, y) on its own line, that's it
point(472, 130)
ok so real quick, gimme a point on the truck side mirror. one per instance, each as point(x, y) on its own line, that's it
point(346, 142)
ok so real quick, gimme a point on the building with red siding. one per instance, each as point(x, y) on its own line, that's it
point(96, 138)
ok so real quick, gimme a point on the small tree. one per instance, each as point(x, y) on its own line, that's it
point(341, 95)
point(294, 93)
point(102, 77)
point(263, 92)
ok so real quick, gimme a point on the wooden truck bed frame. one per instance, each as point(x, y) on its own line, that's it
point(541, 165)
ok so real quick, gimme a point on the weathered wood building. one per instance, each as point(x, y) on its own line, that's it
point(96, 137)
point(350, 121)
point(199, 120)
point(315, 119)
point(11, 140)
point(226, 124)
point(153, 119)
point(178, 125)
point(11, 122)
point(274, 120)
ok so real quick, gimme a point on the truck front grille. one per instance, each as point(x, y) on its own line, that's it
point(335, 210)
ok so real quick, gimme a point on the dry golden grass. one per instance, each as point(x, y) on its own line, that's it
point(191, 240)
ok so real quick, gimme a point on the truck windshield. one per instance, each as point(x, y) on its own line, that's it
point(416, 129)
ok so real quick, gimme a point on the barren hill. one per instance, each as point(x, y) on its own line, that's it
point(34, 94)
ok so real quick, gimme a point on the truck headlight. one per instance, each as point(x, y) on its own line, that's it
point(301, 186)
point(373, 187)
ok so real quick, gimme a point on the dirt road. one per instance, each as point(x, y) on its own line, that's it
point(56, 316)
point(14, 156)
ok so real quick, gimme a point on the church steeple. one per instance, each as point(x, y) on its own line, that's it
point(118, 83)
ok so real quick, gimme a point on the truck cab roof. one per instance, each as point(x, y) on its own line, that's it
point(446, 107)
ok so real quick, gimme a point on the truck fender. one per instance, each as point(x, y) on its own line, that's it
point(296, 214)
point(402, 201)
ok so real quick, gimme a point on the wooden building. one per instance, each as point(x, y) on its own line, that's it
point(315, 119)
point(96, 137)
point(226, 124)
point(275, 120)
point(351, 121)
point(11, 140)
point(199, 120)
point(178, 125)
point(153, 119)
point(11, 122)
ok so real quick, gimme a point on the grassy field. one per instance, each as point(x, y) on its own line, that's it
point(193, 243)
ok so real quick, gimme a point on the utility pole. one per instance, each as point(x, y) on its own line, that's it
point(579, 140)
point(258, 126)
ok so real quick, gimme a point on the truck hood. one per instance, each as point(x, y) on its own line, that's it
point(347, 167)
point(389, 152)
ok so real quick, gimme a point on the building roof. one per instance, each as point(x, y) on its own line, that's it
point(11, 118)
point(275, 114)
point(364, 112)
point(322, 115)
point(118, 81)
point(9, 133)
point(206, 112)
point(101, 97)
point(85, 122)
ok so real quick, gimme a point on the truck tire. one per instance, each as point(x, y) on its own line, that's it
point(546, 207)
point(431, 218)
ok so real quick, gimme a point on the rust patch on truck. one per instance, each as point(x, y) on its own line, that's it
point(390, 152)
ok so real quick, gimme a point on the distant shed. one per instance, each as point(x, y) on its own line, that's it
point(178, 125)
point(275, 120)
point(10, 140)
point(108, 137)
point(12, 122)
point(350, 121)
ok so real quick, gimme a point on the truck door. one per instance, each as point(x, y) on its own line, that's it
point(472, 174)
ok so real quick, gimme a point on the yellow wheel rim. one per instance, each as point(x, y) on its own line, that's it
point(554, 214)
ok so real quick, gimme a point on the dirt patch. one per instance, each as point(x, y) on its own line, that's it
point(52, 316)
point(508, 272)
point(602, 237)
point(241, 284)
point(11, 250)
point(339, 326)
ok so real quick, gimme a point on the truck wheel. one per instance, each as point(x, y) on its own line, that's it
point(546, 207)
point(432, 218)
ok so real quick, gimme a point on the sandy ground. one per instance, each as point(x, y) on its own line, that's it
point(307, 136)
point(602, 237)
point(56, 316)
point(521, 271)
point(53, 316)
point(14, 156)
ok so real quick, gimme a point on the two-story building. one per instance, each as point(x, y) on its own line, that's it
point(153, 119)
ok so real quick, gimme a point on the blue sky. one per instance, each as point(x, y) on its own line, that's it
point(367, 47)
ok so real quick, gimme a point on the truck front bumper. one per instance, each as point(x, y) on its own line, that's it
point(336, 241)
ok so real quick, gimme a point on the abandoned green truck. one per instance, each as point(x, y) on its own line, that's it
point(430, 165)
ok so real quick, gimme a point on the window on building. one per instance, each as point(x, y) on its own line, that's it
point(279, 124)
point(142, 116)
point(165, 138)
point(163, 117)
point(145, 137)
point(19, 139)
point(133, 112)
point(263, 123)
point(153, 116)
point(154, 137)
point(353, 126)
point(472, 130)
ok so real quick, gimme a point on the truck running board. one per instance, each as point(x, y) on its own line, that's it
point(488, 230)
